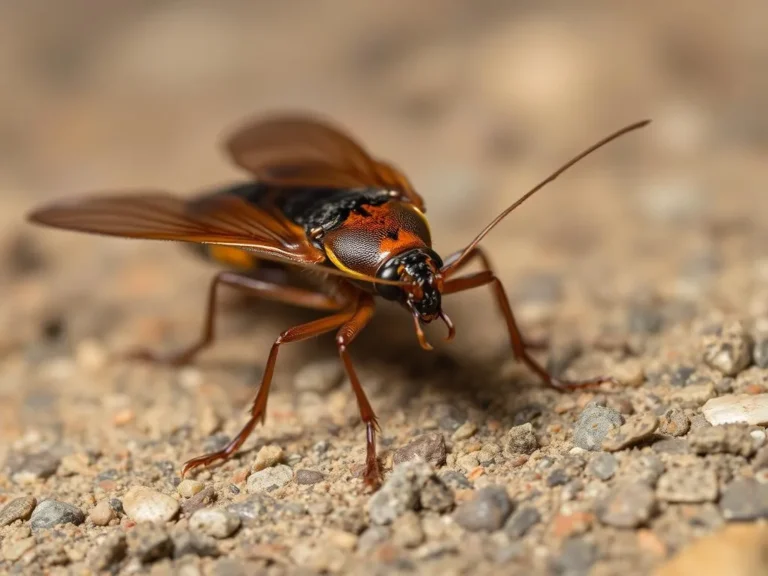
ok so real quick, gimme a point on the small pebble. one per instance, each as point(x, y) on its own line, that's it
point(49, 513)
point(744, 500)
point(400, 492)
point(407, 531)
point(319, 377)
point(730, 352)
point(188, 488)
point(593, 425)
point(307, 477)
point(429, 447)
point(635, 430)
point(486, 511)
point(646, 468)
point(111, 551)
point(457, 480)
point(17, 509)
point(688, 484)
point(268, 456)
point(199, 500)
point(725, 439)
point(464, 432)
point(558, 477)
point(674, 422)
point(603, 466)
point(521, 440)
point(521, 521)
point(468, 462)
point(149, 542)
point(737, 408)
point(269, 479)
point(629, 373)
point(626, 505)
point(216, 522)
point(102, 514)
point(143, 504)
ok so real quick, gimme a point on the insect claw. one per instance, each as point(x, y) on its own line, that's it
point(451, 328)
point(419, 332)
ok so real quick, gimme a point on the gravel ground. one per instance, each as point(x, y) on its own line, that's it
point(648, 263)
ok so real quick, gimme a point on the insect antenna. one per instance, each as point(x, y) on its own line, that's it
point(456, 262)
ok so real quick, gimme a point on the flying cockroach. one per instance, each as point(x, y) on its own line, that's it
point(317, 200)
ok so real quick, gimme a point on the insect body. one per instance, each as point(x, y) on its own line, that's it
point(318, 200)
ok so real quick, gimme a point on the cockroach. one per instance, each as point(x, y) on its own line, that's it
point(315, 199)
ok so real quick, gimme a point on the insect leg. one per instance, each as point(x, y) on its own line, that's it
point(518, 346)
point(269, 290)
point(344, 337)
point(259, 407)
point(479, 254)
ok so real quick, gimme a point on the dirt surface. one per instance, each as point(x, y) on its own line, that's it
point(649, 262)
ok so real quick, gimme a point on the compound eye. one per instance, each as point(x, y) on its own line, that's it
point(388, 291)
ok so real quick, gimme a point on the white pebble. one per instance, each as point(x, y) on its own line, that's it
point(215, 522)
point(189, 488)
point(737, 408)
point(268, 456)
point(269, 479)
point(143, 504)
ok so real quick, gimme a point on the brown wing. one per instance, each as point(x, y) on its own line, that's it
point(303, 151)
point(222, 219)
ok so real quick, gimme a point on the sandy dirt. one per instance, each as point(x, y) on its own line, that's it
point(648, 262)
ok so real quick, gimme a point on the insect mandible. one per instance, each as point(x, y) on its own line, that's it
point(317, 199)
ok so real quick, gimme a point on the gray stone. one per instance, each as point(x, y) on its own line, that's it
point(575, 559)
point(521, 521)
point(216, 522)
point(760, 351)
point(626, 505)
point(674, 422)
point(486, 512)
point(429, 447)
point(372, 537)
point(269, 479)
point(603, 466)
point(744, 500)
point(252, 510)
point(33, 467)
point(436, 496)
point(400, 492)
point(688, 484)
point(521, 440)
point(454, 479)
point(308, 477)
point(558, 477)
point(635, 430)
point(646, 468)
point(51, 513)
point(148, 542)
point(17, 509)
point(186, 543)
point(111, 551)
point(593, 425)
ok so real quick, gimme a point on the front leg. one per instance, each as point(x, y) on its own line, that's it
point(519, 347)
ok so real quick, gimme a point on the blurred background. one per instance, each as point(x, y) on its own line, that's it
point(475, 100)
